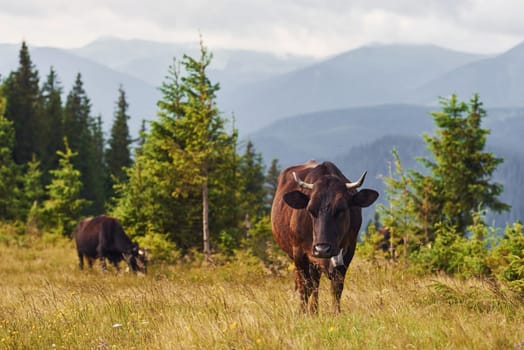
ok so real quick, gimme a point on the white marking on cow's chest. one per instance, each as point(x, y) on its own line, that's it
point(337, 260)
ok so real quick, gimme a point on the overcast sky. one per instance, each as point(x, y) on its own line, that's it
point(309, 27)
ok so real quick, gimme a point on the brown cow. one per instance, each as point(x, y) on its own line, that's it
point(316, 216)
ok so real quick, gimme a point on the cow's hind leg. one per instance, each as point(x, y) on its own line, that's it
point(102, 256)
point(81, 260)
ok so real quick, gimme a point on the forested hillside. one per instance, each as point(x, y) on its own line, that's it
point(371, 75)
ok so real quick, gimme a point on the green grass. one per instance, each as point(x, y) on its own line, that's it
point(47, 303)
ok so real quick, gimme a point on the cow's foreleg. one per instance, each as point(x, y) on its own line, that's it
point(301, 283)
point(314, 273)
point(303, 280)
point(116, 265)
point(337, 285)
point(103, 264)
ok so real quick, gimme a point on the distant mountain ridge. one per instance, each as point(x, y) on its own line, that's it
point(361, 77)
point(260, 88)
point(331, 134)
point(327, 134)
point(499, 81)
point(149, 60)
point(141, 66)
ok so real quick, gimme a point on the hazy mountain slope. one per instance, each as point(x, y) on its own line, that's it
point(499, 80)
point(365, 76)
point(328, 134)
point(376, 158)
point(149, 61)
point(145, 60)
point(116, 53)
point(100, 82)
point(506, 126)
point(8, 58)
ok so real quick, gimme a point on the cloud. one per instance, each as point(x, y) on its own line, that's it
point(296, 26)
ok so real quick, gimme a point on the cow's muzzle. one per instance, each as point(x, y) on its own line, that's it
point(323, 250)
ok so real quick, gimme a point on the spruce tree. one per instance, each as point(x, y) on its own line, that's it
point(402, 216)
point(98, 171)
point(271, 182)
point(461, 170)
point(76, 119)
point(200, 135)
point(63, 208)
point(118, 154)
point(52, 131)
point(33, 189)
point(252, 177)
point(442, 203)
point(142, 135)
point(80, 129)
point(24, 107)
point(9, 170)
point(146, 203)
point(183, 178)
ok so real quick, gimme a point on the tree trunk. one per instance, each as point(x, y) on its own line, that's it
point(205, 220)
point(406, 250)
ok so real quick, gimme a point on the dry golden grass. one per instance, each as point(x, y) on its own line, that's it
point(47, 303)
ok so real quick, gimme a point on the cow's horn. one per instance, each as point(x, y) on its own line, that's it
point(358, 183)
point(302, 183)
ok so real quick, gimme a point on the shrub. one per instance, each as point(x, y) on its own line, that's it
point(507, 257)
point(226, 243)
point(12, 233)
point(261, 245)
point(453, 254)
point(370, 247)
point(158, 247)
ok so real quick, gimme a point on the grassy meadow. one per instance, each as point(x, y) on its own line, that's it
point(46, 302)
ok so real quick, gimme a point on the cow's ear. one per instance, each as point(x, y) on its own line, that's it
point(296, 199)
point(364, 198)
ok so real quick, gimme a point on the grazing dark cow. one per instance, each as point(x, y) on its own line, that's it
point(104, 238)
point(316, 216)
